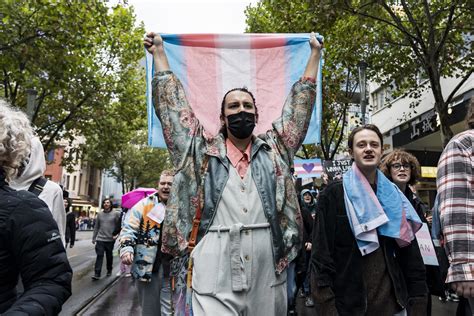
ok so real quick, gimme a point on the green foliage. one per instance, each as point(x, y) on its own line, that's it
point(340, 69)
point(135, 164)
point(83, 59)
point(399, 39)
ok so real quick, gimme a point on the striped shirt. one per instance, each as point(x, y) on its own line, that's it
point(455, 181)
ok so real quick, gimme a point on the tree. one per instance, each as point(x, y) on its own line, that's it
point(340, 81)
point(80, 56)
point(129, 160)
point(428, 37)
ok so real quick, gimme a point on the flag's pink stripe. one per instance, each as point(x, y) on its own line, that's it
point(198, 40)
point(366, 187)
point(303, 170)
point(234, 40)
point(202, 69)
point(316, 164)
point(271, 80)
point(312, 171)
point(267, 42)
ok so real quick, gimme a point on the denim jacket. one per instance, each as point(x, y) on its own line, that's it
point(271, 163)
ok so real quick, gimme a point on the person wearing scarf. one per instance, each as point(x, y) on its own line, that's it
point(365, 258)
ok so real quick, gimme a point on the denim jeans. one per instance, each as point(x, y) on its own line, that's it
point(291, 284)
point(307, 282)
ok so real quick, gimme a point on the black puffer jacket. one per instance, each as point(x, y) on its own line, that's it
point(30, 246)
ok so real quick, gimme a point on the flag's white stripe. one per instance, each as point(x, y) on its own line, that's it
point(235, 64)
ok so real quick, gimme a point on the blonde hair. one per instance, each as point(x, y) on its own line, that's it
point(167, 173)
point(15, 139)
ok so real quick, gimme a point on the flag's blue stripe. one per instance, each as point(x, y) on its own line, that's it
point(175, 54)
point(315, 161)
point(171, 39)
point(297, 52)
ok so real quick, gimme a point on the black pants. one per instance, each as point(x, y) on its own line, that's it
point(100, 248)
point(70, 236)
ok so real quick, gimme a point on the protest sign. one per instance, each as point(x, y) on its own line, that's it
point(426, 246)
point(336, 168)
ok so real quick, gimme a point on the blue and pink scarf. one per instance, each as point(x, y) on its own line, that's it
point(387, 212)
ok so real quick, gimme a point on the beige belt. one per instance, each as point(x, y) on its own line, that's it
point(238, 276)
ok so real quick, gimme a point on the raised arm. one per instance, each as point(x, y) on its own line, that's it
point(181, 129)
point(311, 70)
point(292, 125)
point(154, 45)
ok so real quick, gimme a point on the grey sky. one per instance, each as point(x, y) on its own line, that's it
point(185, 16)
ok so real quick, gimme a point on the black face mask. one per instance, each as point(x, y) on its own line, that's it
point(241, 125)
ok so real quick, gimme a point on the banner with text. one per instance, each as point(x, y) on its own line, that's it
point(336, 168)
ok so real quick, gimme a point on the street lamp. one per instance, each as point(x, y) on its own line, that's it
point(31, 102)
point(362, 65)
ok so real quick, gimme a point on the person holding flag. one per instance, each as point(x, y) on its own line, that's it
point(233, 194)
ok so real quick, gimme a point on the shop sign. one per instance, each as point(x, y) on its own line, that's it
point(429, 172)
point(424, 127)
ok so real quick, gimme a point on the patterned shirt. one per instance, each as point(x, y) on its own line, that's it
point(455, 189)
point(140, 235)
point(188, 143)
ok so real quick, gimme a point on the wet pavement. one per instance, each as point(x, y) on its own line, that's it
point(121, 299)
point(117, 295)
point(82, 258)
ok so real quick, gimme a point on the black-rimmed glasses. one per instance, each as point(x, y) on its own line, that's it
point(398, 166)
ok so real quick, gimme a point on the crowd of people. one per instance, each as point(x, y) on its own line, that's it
point(226, 233)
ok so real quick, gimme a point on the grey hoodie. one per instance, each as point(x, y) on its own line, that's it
point(52, 194)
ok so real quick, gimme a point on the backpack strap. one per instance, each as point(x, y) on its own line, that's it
point(197, 216)
point(38, 185)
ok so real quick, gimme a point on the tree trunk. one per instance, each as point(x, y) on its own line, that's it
point(441, 108)
point(122, 174)
point(445, 129)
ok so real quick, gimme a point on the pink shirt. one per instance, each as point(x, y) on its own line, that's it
point(239, 159)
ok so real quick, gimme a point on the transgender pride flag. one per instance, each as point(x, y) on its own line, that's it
point(209, 65)
point(308, 168)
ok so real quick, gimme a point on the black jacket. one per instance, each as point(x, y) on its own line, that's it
point(30, 246)
point(336, 261)
point(306, 211)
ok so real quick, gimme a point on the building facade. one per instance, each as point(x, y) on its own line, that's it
point(417, 129)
